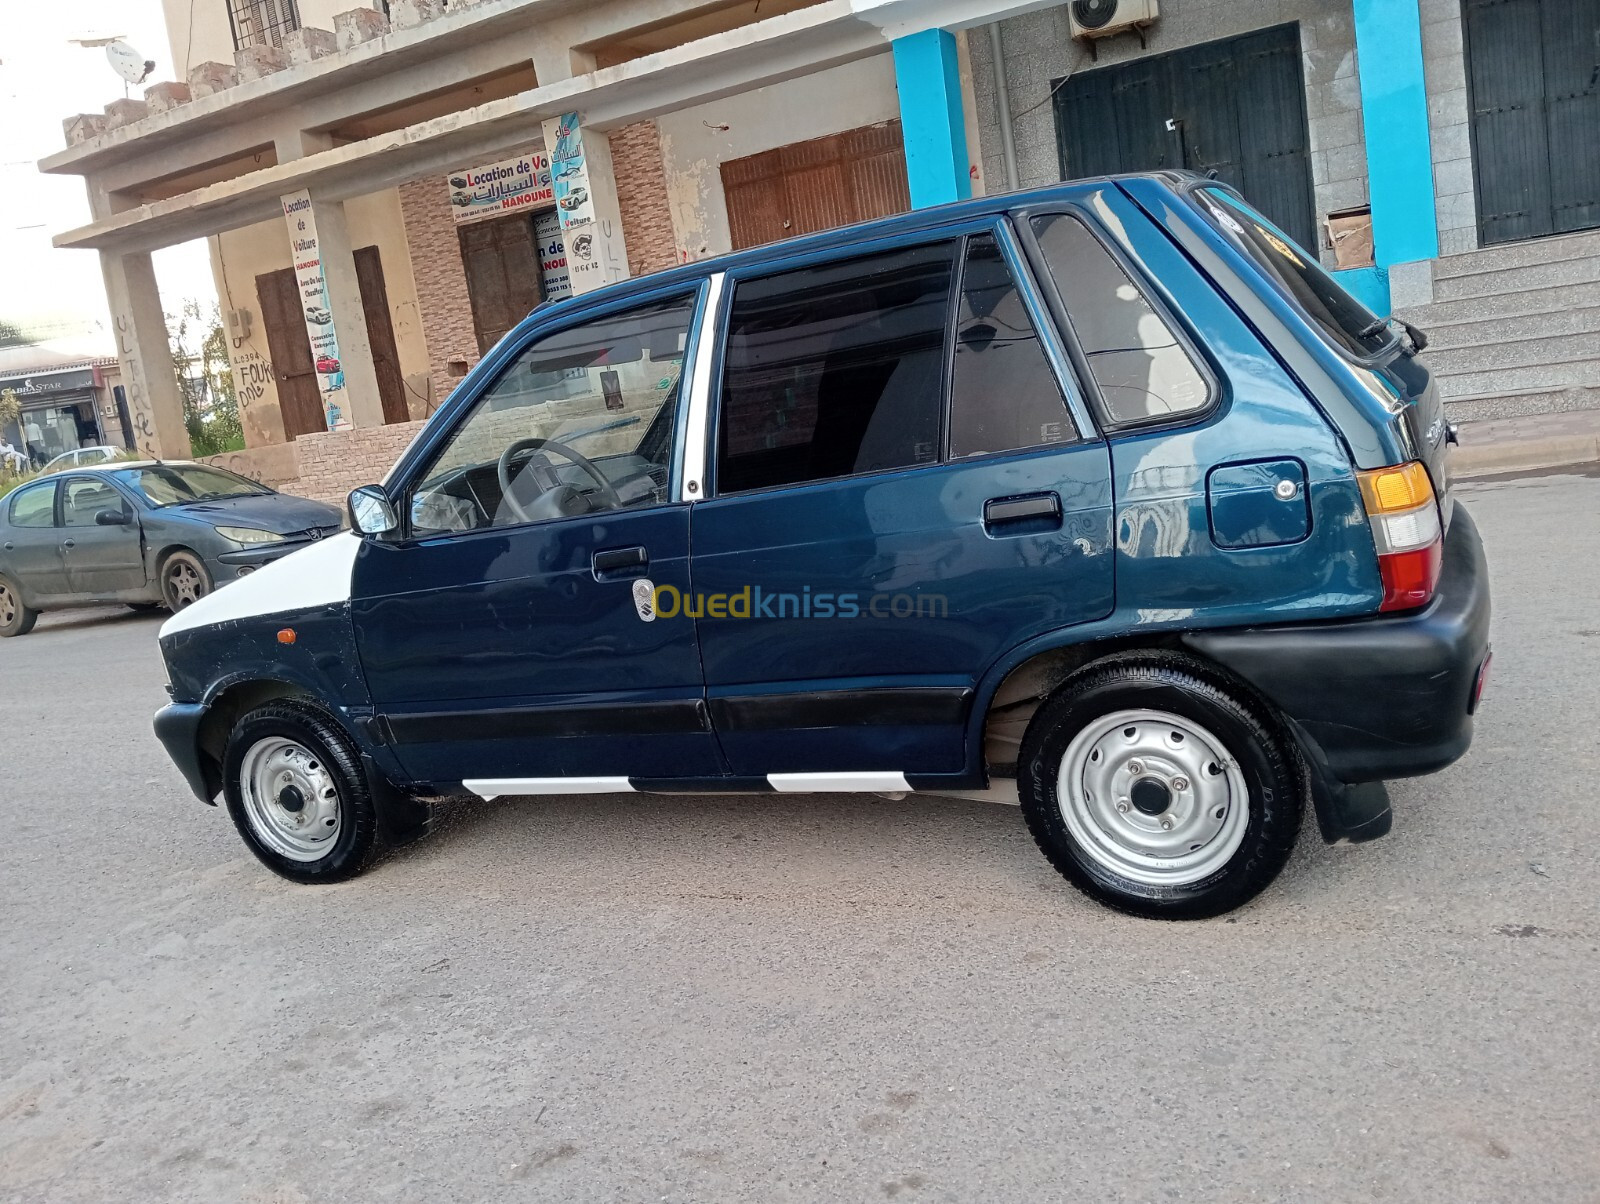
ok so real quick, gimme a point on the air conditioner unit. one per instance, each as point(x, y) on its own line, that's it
point(1102, 18)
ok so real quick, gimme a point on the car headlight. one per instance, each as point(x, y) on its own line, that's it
point(249, 535)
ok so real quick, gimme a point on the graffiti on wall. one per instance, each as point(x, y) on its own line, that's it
point(139, 406)
point(252, 373)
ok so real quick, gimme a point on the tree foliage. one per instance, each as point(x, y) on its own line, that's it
point(205, 379)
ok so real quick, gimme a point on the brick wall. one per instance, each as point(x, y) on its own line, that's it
point(642, 194)
point(441, 280)
point(335, 462)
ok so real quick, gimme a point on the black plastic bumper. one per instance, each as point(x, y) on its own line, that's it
point(178, 728)
point(1380, 697)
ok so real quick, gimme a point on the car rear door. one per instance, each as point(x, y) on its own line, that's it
point(100, 561)
point(905, 487)
point(30, 542)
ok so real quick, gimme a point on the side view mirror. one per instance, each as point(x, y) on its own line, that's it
point(371, 511)
point(113, 518)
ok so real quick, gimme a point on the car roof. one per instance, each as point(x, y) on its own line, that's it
point(843, 236)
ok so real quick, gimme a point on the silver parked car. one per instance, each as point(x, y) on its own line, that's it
point(145, 533)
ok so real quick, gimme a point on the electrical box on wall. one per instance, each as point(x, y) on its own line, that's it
point(1092, 19)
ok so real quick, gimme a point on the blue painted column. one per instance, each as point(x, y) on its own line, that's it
point(1394, 117)
point(931, 120)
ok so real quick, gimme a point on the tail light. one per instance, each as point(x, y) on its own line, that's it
point(1406, 529)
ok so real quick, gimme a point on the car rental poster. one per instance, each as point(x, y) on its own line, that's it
point(552, 255)
point(313, 284)
point(570, 174)
point(501, 187)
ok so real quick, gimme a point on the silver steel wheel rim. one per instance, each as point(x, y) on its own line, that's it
point(1139, 755)
point(290, 799)
point(187, 588)
point(8, 606)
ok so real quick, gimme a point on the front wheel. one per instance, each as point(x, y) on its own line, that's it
point(15, 618)
point(184, 580)
point(1158, 788)
point(297, 794)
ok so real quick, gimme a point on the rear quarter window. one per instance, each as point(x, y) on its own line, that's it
point(1144, 372)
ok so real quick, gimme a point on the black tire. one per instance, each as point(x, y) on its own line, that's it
point(15, 617)
point(1257, 755)
point(332, 756)
point(184, 580)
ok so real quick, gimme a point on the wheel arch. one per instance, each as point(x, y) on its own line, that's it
point(1010, 695)
point(227, 704)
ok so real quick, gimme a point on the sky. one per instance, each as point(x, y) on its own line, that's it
point(44, 78)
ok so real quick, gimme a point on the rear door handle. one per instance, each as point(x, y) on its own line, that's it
point(620, 562)
point(68, 544)
point(998, 511)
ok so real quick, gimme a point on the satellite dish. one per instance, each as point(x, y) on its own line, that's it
point(128, 62)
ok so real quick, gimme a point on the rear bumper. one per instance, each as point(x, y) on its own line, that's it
point(1379, 697)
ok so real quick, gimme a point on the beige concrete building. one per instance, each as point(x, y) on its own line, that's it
point(379, 195)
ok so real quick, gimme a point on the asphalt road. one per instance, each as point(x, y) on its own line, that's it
point(803, 998)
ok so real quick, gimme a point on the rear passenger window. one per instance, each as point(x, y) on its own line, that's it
point(835, 370)
point(1003, 396)
point(1143, 371)
point(34, 506)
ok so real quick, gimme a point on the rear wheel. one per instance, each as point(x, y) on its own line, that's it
point(297, 794)
point(15, 618)
point(1159, 788)
point(184, 580)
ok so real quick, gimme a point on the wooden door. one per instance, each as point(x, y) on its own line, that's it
point(299, 397)
point(816, 185)
point(501, 258)
point(380, 334)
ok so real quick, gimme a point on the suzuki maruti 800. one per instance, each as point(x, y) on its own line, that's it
point(1108, 488)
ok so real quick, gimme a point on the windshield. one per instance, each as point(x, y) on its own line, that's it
point(1347, 323)
point(175, 484)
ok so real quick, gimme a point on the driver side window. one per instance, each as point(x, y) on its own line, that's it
point(582, 421)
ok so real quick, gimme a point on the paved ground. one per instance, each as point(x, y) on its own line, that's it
point(805, 999)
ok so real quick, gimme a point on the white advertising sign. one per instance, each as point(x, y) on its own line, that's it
point(313, 283)
point(575, 202)
point(552, 255)
point(501, 187)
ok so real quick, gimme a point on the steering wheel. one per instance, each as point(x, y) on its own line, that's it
point(503, 471)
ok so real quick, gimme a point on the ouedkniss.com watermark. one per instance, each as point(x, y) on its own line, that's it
point(752, 602)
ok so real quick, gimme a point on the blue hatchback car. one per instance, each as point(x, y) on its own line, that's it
point(1108, 488)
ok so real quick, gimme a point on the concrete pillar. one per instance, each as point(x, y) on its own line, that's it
point(1394, 115)
point(325, 267)
point(586, 199)
point(145, 356)
point(927, 73)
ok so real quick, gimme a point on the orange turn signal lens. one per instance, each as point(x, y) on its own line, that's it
point(1402, 487)
point(286, 636)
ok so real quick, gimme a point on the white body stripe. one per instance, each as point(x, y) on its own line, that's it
point(489, 788)
point(865, 782)
point(318, 575)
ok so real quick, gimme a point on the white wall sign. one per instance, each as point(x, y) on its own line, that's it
point(552, 255)
point(575, 202)
point(313, 283)
point(501, 187)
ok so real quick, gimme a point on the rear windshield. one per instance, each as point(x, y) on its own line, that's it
point(1346, 322)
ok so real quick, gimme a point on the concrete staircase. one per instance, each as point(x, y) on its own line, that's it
point(1515, 329)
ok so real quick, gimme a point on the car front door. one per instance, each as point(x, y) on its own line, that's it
point(504, 633)
point(902, 494)
point(101, 560)
point(30, 544)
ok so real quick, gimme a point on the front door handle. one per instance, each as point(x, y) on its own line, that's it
point(615, 563)
point(68, 544)
point(1000, 511)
